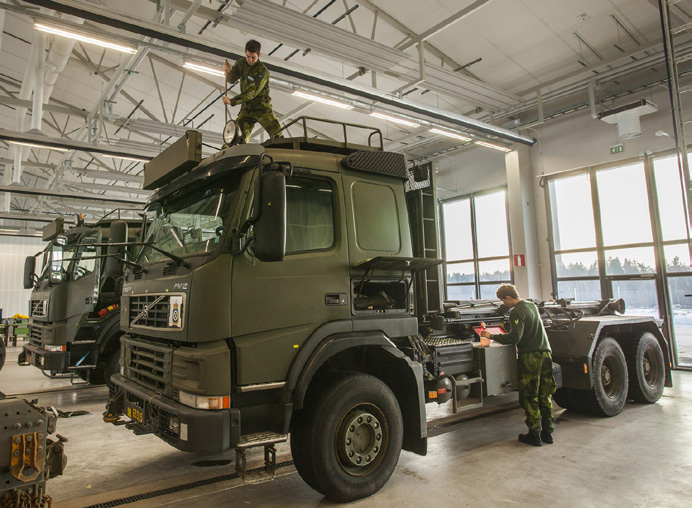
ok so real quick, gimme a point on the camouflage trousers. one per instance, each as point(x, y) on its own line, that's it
point(265, 116)
point(536, 385)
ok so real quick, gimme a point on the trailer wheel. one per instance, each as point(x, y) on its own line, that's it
point(350, 439)
point(646, 368)
point(608, 396)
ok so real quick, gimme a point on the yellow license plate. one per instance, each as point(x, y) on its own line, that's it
point(135, 414)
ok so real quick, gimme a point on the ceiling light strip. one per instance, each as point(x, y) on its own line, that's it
point(322, 99)
point(450, 134)
point(214, 71)
point(394, 119)
point(84, 38)
point(33, 145)
point(493, 146)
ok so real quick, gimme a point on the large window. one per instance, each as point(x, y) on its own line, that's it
point(621, 232)
point(476, 245)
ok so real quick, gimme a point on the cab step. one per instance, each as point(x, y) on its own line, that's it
point(266, 439)
point(261, 439)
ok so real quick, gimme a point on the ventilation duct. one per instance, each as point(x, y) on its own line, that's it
point(627, 117)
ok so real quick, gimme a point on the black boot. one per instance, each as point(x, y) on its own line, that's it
point(547, 437)
point(532, 438)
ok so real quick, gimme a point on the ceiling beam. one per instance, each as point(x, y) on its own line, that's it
point(12, 101)
point(70, 144)
point(17, 189)
point(26, 217)
point(444, 24)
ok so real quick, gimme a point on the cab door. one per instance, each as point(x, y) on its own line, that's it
point(276, 306)
point(80, 291)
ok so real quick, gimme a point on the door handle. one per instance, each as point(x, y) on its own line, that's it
point(335, 299)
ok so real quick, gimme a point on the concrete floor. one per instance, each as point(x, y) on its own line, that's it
point(642, 457)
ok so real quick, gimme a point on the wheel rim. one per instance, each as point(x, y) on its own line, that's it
point(611, 377)
point(361, 439)
point(650, 367)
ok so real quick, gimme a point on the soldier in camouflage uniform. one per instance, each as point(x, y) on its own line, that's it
point(536, 382)
point(254, 100)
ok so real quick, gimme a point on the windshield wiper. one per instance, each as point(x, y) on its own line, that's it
point(177, 259)
point(132, 263)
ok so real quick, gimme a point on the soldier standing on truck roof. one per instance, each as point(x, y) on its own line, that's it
point(254, 100)
point(536, 382)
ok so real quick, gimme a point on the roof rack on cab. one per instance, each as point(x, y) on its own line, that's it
point(312, 139)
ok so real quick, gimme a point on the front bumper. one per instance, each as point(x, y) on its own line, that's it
point(57, 361)
point(197, 430)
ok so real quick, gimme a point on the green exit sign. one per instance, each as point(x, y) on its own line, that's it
point(617, 148)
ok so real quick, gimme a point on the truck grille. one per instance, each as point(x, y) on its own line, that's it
point(35, 335)
point(39, 307)
point(149, 310)
point(148, 364)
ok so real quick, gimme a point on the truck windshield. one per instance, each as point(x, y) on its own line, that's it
point(189, 222)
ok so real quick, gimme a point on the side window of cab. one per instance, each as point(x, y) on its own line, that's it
point(309, 215)
point(86, 260)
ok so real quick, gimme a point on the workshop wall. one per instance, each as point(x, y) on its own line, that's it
point(13, 250)
point(570, 142)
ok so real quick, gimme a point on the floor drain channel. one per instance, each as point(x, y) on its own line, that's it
point(178, 488)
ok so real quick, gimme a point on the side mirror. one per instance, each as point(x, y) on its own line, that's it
point(29, 267)
point(270, 227)
point(117, 234)
point(56, 274)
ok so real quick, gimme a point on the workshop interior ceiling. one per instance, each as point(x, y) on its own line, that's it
point(490, 68)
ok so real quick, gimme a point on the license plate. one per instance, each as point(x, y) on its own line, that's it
point(135, 414)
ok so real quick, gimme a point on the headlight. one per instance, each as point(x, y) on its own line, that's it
point(205, 401)
point(55, 348)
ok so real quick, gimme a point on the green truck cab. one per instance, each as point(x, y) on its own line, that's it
point(296, 287)
point(74, 308)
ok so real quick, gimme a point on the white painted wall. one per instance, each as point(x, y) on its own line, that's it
point(571, 142)
point(476, 170)
point(13, 250)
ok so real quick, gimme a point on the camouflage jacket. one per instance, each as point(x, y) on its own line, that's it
point(254, 84)
point(525, 329)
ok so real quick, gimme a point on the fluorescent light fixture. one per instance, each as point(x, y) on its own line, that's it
point(323, 100)
point(394, 119)
point(204, 68)
point(495, 147)
point(136, 159)
point(449, 134)
point(32, 145)
point(84, 38)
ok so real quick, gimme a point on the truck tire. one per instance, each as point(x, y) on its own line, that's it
point(108, 364)
point(646, 366)
point(346, 444)
point(609, 393)
point(3, 353)
point(569, 399)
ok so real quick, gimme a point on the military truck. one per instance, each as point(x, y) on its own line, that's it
point(295, 287)
point(74, 309)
